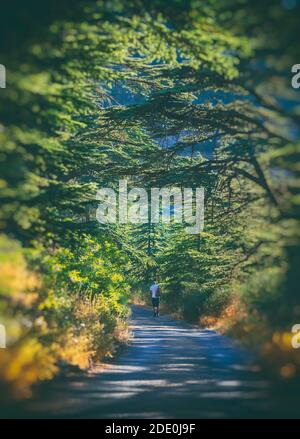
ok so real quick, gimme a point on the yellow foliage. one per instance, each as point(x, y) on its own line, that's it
point(17, 282)
point(24, 364)
point(49, 321)
point(77, 350)
point(275, 348)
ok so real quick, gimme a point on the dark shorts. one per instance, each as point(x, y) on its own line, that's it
point(155, 301)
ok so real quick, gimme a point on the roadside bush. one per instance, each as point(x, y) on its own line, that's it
point(53, 317)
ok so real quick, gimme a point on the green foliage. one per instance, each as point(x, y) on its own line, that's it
point(181, 93)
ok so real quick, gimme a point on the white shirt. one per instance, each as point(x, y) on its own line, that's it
point(154, 290)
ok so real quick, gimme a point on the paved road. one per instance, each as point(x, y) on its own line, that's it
point(170, 370)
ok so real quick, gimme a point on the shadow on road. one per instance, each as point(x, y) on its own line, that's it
point(170, 370)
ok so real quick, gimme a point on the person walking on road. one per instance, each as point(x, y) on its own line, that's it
point(155, 294)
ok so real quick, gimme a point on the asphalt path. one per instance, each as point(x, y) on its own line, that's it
point(171, 370)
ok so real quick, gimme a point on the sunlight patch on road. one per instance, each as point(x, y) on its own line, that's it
point(234, 395)
point(231, 383)
point(235, 383)
point(125, 369)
